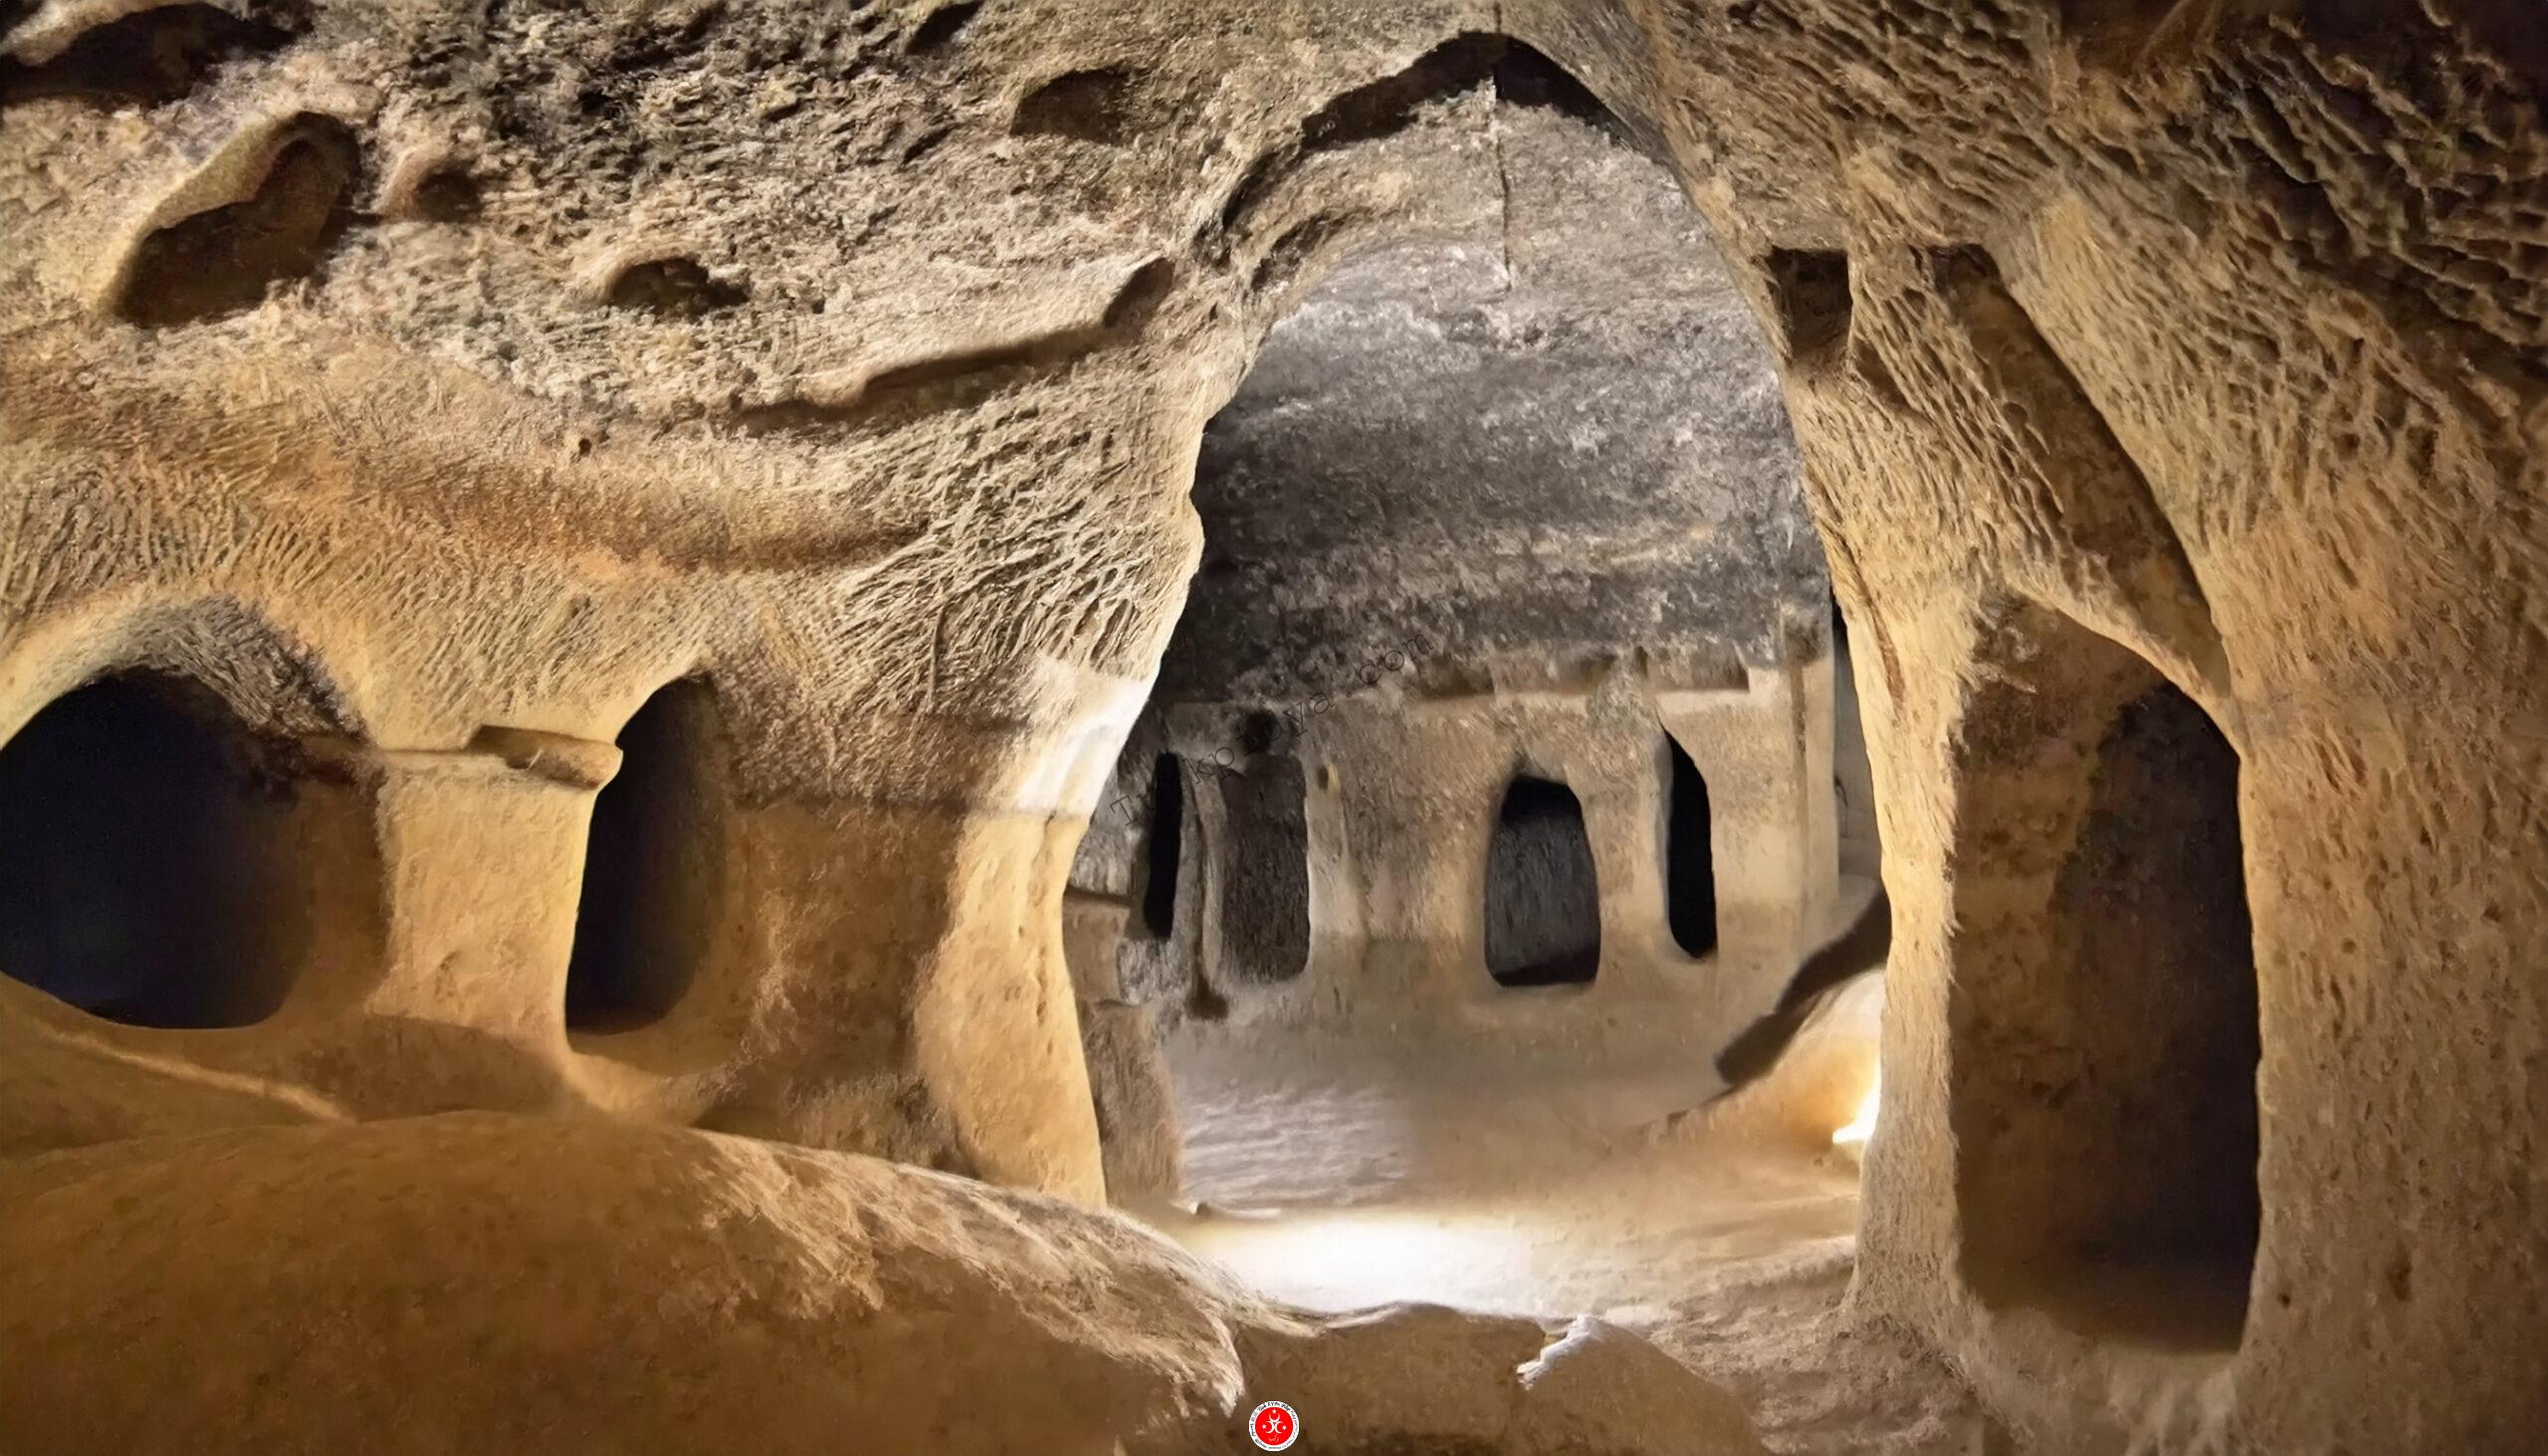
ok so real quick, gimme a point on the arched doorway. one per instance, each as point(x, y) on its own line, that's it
point(1689, 855)
point(654, 866)
point(2105, 1021)
point(152, 868)
point(1542, 893)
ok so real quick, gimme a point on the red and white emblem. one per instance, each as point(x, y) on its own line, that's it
point(1273, 1427)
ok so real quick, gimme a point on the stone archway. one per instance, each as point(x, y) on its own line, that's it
point(1542, 903)
point(652, 900)
point(153, 870)
point(2106, 1042)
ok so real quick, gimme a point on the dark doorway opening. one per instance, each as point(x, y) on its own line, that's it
point(1265, 919)
point(152, 869)
point(1689, 858)
point(1165, 846)
point(1543, 895)
point(2106, 1105)
point(654, 866)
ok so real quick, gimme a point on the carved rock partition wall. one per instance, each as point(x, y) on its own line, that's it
point(433, 382)
point(1402, 803)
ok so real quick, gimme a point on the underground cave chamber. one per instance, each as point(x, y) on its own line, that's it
point(1424, 754)
point(826, 683)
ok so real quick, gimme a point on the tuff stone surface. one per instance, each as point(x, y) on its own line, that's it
point(858, 361)
point(499, 1282)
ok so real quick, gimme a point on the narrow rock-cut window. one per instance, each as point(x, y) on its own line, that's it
point(153, 870)
point(653, 866)
point(1165, 847)
point(2106, 1100)
point(1265, 912)
point(1543, 899)
point(1689, 858)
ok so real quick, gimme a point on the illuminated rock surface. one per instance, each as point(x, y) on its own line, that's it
point(594, 563)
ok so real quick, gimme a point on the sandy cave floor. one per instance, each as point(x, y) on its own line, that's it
point(1339, 1174)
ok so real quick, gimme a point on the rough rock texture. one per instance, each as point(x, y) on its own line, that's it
point(487, 1282)
point(1861, 843)
point(1421, 1378)
point(1540, 431)
point(2213, 332)
point(436, 381)
point(1599, 1386)
point(1137, 1123)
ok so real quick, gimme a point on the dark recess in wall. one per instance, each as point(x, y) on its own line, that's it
point(150, 868)
point(1542, 897)
point(2127, 1059)
point(1810, 293)
point(1098, 104)
point(1165, 846)
point(1265, 916)
point(1689, 859)
point(675, 288)
point(654, 866)
point(149, 58)
point(943, 25)
point(223, 260)
point(1525, 78)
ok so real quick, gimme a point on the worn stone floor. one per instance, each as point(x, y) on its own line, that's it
point(1339, 1173)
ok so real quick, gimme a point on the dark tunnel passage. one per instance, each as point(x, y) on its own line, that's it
point(152, 869)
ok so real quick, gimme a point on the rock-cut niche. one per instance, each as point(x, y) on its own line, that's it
point(1266, 914)
point(2105, 1101)
point(221, 260)
point(1542, 897)
point(1689, 857)
point(654, 864)
point(1163, 847)
point(156, 865)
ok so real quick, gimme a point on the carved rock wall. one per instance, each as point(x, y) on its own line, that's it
point(434, 383)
